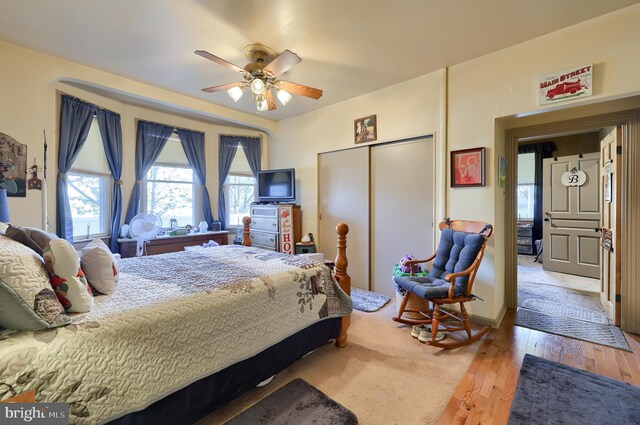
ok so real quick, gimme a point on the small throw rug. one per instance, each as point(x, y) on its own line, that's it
point(367, 301)
point(578, 329)
point(567, 312)
point(552, 393)
point(296, 403)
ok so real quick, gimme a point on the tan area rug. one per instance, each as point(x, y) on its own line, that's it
point(384, 375)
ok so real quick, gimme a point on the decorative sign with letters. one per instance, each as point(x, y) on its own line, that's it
point(574, 178)
point(285, 214)
point(565, 85)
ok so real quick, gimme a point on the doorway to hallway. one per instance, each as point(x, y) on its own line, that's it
point(561, 205)
point(626, 243)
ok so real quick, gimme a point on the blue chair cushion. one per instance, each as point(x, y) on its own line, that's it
point(456, 252)
point(426, 287)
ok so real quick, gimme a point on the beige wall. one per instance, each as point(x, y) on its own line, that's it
point(406, 110)
point(30, 86)
point(480, 92)
point(503, 84)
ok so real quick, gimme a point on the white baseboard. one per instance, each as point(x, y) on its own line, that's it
point(484, 321)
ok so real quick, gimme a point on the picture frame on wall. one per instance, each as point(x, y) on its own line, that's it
point(502, 172)
point(365, 129)
point(13, 166)
point(467, 167)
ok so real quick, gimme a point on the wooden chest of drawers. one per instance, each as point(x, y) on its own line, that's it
point(165, 244)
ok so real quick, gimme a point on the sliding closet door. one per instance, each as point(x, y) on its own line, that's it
point(343, 196)
point(401, 207)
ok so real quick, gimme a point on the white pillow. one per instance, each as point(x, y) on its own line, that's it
point(100, 266)
point(67, 278)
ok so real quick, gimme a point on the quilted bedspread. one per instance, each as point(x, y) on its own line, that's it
point(173, 319)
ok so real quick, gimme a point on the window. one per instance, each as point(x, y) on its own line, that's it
point(171, 186)
point(526, 201)
point(89, 185)
point(240, 189)
point(526, 186)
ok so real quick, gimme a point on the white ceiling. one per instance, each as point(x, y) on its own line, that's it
point(348, 47)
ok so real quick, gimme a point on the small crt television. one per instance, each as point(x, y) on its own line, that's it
point(277, 185)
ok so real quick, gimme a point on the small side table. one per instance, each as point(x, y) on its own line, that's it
point(305, 248)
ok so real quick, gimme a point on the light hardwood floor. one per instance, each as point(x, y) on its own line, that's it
point(484, 394)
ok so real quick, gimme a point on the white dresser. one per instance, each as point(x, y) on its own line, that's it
point(267, 226)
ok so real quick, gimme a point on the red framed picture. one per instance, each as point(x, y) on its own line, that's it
point(467, 167)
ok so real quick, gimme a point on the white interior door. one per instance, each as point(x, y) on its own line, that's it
point(610, 174)
point(343, 196)
point(571, 216)
point(401, 196)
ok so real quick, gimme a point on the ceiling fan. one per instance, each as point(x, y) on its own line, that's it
point(261, 76)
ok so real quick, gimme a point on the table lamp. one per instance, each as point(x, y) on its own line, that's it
point(4, 206)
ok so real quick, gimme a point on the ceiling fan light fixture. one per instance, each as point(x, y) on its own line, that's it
point(235, 93)
point(284, 96)
point(258, 86)
point(262, 104)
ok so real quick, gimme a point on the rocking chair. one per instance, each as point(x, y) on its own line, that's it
point(450, 280)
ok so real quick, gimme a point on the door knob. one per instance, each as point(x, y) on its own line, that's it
point(546, 219)
point(598, 229)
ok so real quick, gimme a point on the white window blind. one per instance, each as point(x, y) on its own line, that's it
point(240, 164)
point(526, 168)
point(173, 153)
point(92, 157)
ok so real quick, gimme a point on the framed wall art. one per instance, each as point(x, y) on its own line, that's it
point(13, 166)
point(502, 172)
point(365, 129)
point(467, 167)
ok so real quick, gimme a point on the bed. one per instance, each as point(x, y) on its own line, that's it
point(183, 334)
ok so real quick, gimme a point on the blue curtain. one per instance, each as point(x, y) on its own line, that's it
point(226, 153)
point(75, 122)
point(150, 140)
point(193, 145)
point(251, 148)
point(111, 132)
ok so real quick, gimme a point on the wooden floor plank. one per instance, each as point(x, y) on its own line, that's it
point(485, 393)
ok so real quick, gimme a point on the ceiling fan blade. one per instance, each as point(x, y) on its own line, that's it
point(299, 89)
point(221, 87)
point(284, 62)
point(270, 101)
point(218, 60)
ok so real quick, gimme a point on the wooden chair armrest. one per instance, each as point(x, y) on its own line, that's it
point(411, 263)
point(451, 277)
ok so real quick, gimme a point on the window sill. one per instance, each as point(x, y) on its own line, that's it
point(81, 243)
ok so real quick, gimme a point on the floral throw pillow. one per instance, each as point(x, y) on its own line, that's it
point(66, 276)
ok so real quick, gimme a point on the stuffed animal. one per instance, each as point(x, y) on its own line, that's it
point(405, 268)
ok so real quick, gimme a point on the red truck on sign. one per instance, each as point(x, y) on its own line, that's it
point(571, 87)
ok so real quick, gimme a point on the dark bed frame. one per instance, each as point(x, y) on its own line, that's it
point(202, 397)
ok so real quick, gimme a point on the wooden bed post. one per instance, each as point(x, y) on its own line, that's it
point(246, 239)
point(343, 278)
